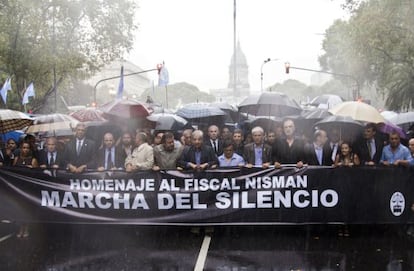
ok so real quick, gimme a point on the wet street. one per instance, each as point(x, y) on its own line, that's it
point(54, 247)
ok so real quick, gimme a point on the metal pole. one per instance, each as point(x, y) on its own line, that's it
point(115, 77)
point(356, 95)
point(261, 71)
point(234, 51)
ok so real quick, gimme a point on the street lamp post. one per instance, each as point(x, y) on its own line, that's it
point(261, 71)
point(115, 77)
point(356, 94)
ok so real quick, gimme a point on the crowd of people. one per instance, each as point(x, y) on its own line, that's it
point(198, 150)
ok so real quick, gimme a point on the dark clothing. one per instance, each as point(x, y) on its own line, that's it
point(239, 149)
point(58, 157)
point(285, 154)
point(7, 160)
point(219, 146)
point(23, 161)
point(250, 157)
point(312, 159)
point(85, 156)
point(362, 150)
point(207, 155)
point(119, 158)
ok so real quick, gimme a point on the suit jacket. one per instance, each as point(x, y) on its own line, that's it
point(312, 159)
point(207, 156)
point(286, 154)
point(86, 154)
point(119, 161)
point(59, 159)
point(219, 143)
point(361, 148)
point(249, 154)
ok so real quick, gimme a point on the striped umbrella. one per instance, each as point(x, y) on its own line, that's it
point(11, 120)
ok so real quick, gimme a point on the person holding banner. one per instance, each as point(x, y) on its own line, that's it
point(257, 153)
point(25, 157)
point(317, 153)
point(289, 149)
point(198, 156)
point(142, 158)
point(395, 153)
point(167, 153)
point(80, 151)
point(51, 157)
point(229, 158)
point(109, 157)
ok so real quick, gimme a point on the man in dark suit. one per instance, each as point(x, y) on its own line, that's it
point(318, 152)
point(289, 149)
point(198, 156)
point(369, 147)
point(213, 140)
point(80, 151)
point(109, 157)
point(257, 153)
point(50, 157)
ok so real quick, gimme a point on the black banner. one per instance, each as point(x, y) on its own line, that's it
point(222, 196)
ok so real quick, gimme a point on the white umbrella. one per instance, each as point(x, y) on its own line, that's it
point(358, 111)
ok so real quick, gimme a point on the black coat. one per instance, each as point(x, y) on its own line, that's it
point(312, 159)
point(119, 162)
point(59, 159)
point(219, 143)
point(207, 156)
point(361, 148)
point(285, 154)
point(86, 155)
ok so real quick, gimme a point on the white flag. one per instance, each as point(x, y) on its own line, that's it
point(6, 87)
point(30, 92)
point(163, 76)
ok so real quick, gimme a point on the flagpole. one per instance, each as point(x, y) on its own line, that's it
point(166, 97)
point(24, 105)
point(115, 77)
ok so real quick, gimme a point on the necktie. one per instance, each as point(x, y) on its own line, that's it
point(215, 146)
point(78, 149)
point(369, 149)
point(109, 163)
point(334, 151)
point(52, 159)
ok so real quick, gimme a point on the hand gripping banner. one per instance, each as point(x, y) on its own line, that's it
point(221, 196)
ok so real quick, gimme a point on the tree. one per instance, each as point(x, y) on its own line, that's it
point(178, 94)
point(45, 39)
point(376, 45)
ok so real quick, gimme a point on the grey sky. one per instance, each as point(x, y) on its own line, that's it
point(195, 38)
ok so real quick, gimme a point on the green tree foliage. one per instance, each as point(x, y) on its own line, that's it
point(71, 38)
point(376, 45)
point(177, 94)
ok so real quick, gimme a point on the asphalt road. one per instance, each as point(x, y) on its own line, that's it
point(55, 247)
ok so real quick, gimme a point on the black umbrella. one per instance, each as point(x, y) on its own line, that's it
point(347, 126)
point(167, 122)
point(232, 114)
point(269, 104)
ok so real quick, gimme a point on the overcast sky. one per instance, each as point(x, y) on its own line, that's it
point(195, 38)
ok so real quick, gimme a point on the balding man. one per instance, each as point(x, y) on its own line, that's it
point(198, 156)
point(109, 157)
point(214, 140)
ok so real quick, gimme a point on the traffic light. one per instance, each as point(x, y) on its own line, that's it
point(287, 66)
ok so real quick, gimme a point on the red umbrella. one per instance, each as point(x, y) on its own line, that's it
point(89, 116)
point(128, 109)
